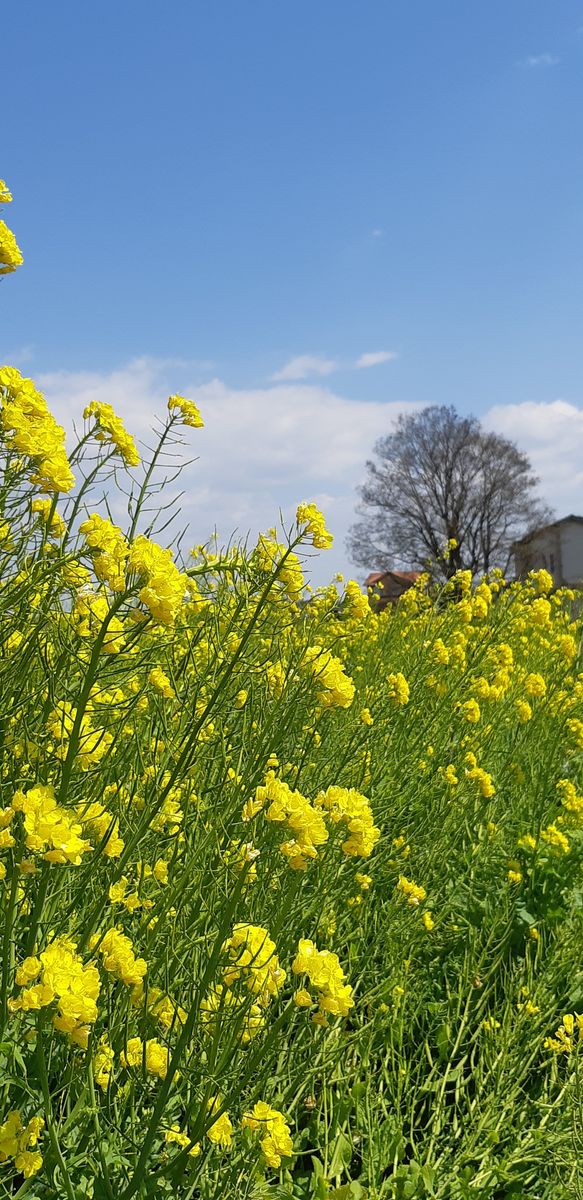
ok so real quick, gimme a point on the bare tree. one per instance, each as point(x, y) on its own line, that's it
point(441, 478)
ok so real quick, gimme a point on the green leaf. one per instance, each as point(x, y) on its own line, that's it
point(341, 1155)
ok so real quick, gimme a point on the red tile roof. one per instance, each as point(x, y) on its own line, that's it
point(376, 576)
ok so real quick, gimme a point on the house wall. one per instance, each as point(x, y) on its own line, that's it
point(543, 550)
point(572, 547)
point(559, 550)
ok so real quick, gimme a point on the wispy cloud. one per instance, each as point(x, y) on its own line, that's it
point(377, 233)
point(375, 358)
point(541, 60)
point(304, 366)
point(551, 433)
point(20, 356)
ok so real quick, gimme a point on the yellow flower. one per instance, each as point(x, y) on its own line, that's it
point(161, 683)
point(103, 1062)
point(119, 959)
point(349, 807)
point(50, 830)
point(111, 430)
point(221, 1130)
point(490, 1024)
point(523, 710)
point(535, 685)
point(413, 893)
point(336, 688)
point(254, 961)
point(540, 612)
point(542, 580)
point(398, 688)
point(312, 524)
point(151, 1053)
point(31, 430)
point(187, 409)
point(64, 979)
point(302, 998)
point(356, 605)
point(109, 552)
point(164, 586)
point(10, 252)
point(555, 839)
point(326, 975)
point(174, 1134)
point(275, 1141)
point(471, 711)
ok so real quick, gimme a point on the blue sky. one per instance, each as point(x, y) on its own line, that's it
point(205, 193)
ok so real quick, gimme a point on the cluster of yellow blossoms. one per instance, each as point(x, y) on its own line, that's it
point(273, 557)
point(48, 515)
point(326, 976)
point(93, 743)
point(29, 428)
point(305, 820)
point(250, 982)
point(189, 413)
point(273, 1130)
point(64, 979)
point(118, 957)
point(563, 1041)
point(151, 1054)
point(286, 805)
point(312, 522)
point(349, 807)
point(161, 683)
point(111, 430)
point(254, 962)
point(336, 689)
point(10, 252)
point(109, 550)
point(413, 892)
point(18, 1142)
point(398, 688)
point(164, 586)
point(49, 828)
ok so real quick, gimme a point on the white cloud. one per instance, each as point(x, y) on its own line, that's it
point(551, 434)
point(375, 358)
point(303, 366)
point(541, 60)
point(262, 450)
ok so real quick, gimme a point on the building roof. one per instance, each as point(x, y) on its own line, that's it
point(552, 525)
point(405, 576)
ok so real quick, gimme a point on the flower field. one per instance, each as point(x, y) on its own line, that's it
point(291, 893)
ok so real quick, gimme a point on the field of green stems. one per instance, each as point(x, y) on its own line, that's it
point(291, 896)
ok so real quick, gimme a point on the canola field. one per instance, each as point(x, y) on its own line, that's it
point(290, 890)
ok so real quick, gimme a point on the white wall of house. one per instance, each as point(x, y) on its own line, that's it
point(558, 548)
point(572, 547)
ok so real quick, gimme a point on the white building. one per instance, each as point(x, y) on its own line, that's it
point(557, 547)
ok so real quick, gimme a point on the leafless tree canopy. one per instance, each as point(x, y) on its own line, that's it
point(440, 476)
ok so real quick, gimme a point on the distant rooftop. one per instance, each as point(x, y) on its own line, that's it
point(409, 576)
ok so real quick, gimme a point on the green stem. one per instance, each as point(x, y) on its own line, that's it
point(51, 1127)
